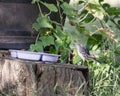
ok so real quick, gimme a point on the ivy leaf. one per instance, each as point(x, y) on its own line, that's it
point(83, 30)
point(60, 33)
point(42, 22)
point(51, 7)
point(36, 47)
point(32, 47)
point(39, 46)
point(47, 40)
point(50, 40)
point(68, 9)
point(36, 26)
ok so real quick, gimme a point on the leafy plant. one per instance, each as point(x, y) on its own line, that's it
point(92, 23)
point(51, 36)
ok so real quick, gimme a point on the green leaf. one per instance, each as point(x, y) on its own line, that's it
point(81, 1)
point(32, 47)
point(36, 47)
point(43, 22)
point(60, 33)
point(51, 7)
point(39, 46)
point(35, 26)
point(94, 39)
point(67, 9)
point(50, 40)
point(35, 1)
point(106, 6)
point(76, 59)
point(89, 18)
point(101, 0)
point(64, 55)
point(118, 22)
point(113, 11)
point(83, 30)
point(96, 10)
point(47, 40)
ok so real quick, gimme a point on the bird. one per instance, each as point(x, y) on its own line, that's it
point(84, 53)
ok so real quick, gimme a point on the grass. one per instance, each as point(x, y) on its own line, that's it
point(104, 81)
point(105, 77)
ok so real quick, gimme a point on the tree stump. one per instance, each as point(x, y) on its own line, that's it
point(31, 78)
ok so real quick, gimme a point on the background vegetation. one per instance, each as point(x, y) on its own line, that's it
point(91, 23)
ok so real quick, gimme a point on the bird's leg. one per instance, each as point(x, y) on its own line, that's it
point(83, 62)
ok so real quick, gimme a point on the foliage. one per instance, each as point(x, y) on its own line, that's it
point(92, 23)
point(51, 36)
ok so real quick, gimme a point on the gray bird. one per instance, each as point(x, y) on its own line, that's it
point(84, 53)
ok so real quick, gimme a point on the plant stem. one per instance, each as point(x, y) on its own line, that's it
point(39, 9)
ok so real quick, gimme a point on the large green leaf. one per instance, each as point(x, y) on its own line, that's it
point(47, 40)
point(38, 46)
point(51, 7)
point(42, 22)
point(67, 9)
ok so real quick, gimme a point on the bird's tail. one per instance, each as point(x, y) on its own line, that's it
point(96, 59)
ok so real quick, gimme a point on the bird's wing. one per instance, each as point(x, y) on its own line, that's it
point(87, 50)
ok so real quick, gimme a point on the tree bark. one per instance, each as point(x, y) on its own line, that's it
point(31, 78)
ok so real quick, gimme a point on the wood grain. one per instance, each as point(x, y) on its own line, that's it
point(32, 78)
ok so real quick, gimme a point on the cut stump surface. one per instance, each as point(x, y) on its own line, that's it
point(31, 78)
